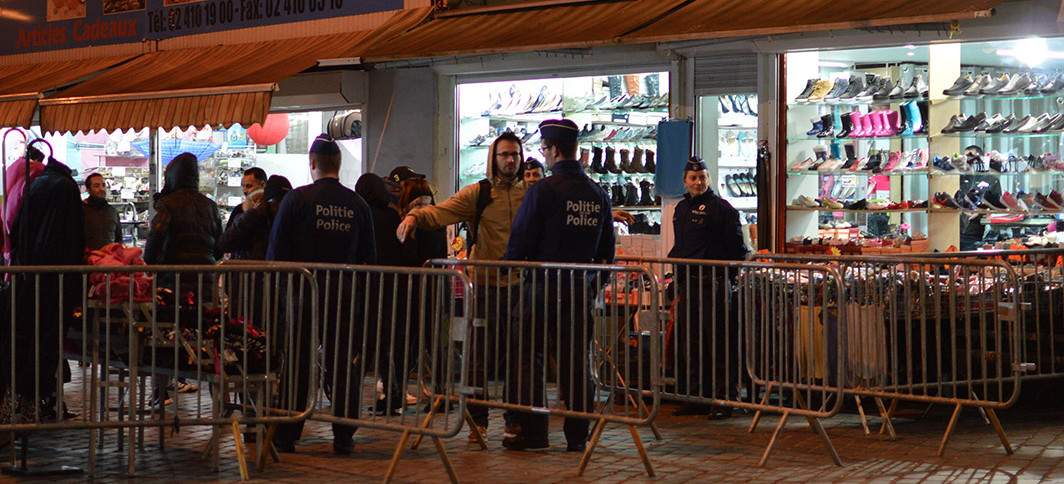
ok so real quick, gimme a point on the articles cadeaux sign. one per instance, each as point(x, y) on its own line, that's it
point(40, 25)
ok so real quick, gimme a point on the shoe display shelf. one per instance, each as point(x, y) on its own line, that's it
point(733, 150)
point(857, 127)
point(622, 122)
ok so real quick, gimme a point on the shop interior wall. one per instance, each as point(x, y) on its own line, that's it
point(399, 123)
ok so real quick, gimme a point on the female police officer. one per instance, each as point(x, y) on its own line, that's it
point(705, 338)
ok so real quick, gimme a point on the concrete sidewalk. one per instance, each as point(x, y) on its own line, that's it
point(693, 449)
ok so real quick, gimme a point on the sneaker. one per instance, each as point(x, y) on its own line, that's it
point(992, 201)
point(809, 85)
point(1057, 199)
point(821, 89)
point(805, 201)
point(943, 200)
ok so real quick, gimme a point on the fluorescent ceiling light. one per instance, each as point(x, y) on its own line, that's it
point(1032, 51)
point(839, 65)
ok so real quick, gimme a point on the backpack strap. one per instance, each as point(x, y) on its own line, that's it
point(483, 199)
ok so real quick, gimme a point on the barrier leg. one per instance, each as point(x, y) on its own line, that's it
point(818, 427)
point(860, 411)
point(265, 447)
point(642, 450)
point(772, 440)
point(757, 415)
point(1000, 431)
point(595, 436)
point(398, 455)
point(446, 460)
point(949, 429)
point(240, 458)
point(425, 424)
point(475, 431)
point(888, 424)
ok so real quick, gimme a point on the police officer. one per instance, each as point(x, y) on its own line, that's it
point(705, 226)
point(329, 223)
point(565, 217)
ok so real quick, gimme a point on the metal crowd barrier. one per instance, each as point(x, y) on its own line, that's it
point(1040, 273)
point(579, 341)
point(163, 328)
point(389, 354)
point(937, 330)
point(750, 336)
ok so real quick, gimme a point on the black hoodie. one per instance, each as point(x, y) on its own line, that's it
point(186, 225)
point(385, 219)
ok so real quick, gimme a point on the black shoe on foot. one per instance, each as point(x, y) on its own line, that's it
point(693, 409)
point(343, 446)
point(576, 447)
point(521, 443)
point(720, 413)
point(284, 447)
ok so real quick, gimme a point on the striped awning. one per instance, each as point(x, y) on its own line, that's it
point(547, 27)
point(21, 85)
point(703, 19)
point(194, 87)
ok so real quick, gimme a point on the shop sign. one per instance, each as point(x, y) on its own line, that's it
point(41, 25)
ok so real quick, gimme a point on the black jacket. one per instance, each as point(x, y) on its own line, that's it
point(186, 225)
point(102, 226)
point(707, 227)
point(385, 219)
point(50, 226)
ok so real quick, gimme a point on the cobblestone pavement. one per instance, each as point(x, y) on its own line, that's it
point(692, 449)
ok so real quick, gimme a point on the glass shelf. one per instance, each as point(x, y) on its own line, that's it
point(973, 134)
point(998, 97)
point(994, 212)
point(859, 172)
point(847, 210)
point(983, 173)
point(858, 103)
point(866, 138)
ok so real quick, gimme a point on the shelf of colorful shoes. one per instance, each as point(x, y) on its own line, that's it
point(991, 172)
point(920, 173)
point(664, 111)
point(998, 97)
point(847, 210)
point(519, 117)
point(938, 209)
point(973, 134)
point(863, 138)
point(852, 103)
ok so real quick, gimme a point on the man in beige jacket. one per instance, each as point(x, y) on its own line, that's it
point(505, 179)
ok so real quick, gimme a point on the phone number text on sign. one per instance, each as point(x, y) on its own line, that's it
point(212, 15)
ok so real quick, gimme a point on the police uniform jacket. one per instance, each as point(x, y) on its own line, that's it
point(707, 227)
point(323, 222)
point(564, 218)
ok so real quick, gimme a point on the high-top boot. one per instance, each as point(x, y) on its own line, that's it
point(611, 161)
point(636, 165)
point(847, 126)
point(631, 194)
point(649, 163)
point(851, 156)
point(919, 113)
point(645, 197)
point(877, 123)
point(617, 195)
point(905, 127)
point(827, 121)
point(596, 161)
point(637, 157)
point(625, 160)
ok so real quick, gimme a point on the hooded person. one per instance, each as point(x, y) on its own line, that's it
point(15, 186)
point(383, 289)
point(49, 230)
point(186, 225)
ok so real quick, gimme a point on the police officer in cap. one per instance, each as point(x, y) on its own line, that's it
point(329, 223)
point(564, 218)
point(705, 226)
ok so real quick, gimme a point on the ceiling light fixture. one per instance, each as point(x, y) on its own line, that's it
point(1032, 51)
point(833, 64)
